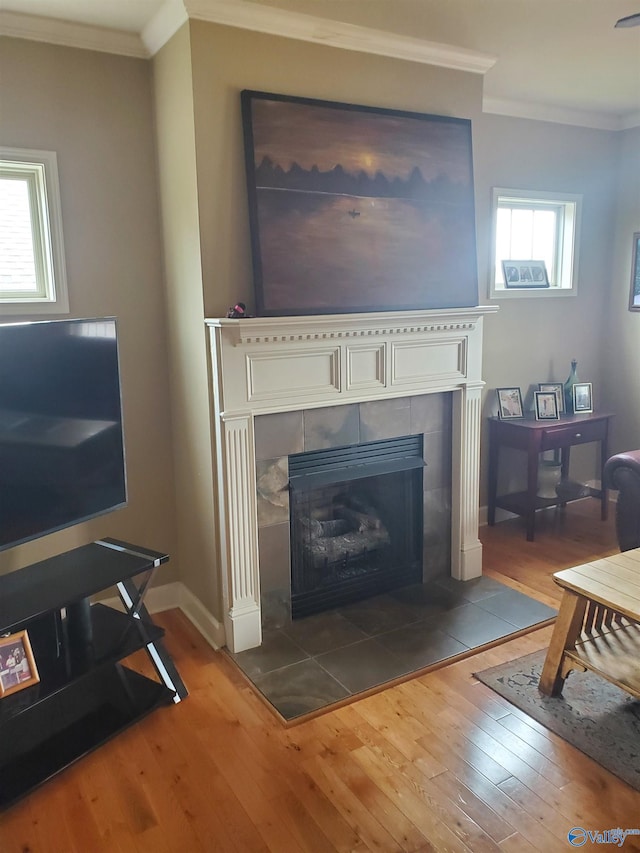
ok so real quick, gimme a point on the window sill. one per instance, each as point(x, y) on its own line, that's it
point(533, 293)
point(34, 309)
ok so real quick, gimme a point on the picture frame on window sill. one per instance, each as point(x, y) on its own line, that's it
point(17, 665)
point(546, 406)
point(582, 398)
point(558, 389)
point(509, 403)
point(634, 298)
point(525, 274)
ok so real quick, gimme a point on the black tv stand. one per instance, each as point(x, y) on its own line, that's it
point(85, 694)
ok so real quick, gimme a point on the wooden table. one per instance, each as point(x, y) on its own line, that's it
point(598, 625)
point(534, 437)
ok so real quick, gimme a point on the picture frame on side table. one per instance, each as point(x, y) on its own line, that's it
point(557, 389)
point(525, 274)
point(17, 665)
point(634, 298)
point(509, 403)
point(546, 406)
point(582, 398)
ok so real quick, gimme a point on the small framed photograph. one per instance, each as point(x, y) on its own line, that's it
point(546, 406)
point(17, 665)
point(634, 299)
point(509, 403)
point(525, 274)
point(558, 390)
point(582, 397)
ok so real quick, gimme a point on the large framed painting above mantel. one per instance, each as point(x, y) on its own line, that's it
point(355, 209)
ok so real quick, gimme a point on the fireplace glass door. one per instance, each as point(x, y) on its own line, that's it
point(356, 520)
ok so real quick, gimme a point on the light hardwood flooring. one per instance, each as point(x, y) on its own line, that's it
point(438, 762)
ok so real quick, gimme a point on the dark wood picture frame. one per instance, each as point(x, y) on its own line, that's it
point(357, 208)
point(17, 665)
point(634, 296)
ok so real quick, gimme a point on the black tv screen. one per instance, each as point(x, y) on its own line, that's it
point(61, 439)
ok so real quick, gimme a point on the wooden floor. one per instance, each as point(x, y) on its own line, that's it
point(437, 763)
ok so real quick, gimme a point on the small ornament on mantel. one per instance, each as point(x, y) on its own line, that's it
point(238, 311)
point(568, 387)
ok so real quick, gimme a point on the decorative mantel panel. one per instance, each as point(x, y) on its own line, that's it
point(268, 365)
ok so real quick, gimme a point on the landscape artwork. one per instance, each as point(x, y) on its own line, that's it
point(356, 209)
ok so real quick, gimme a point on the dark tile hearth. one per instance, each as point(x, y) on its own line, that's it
point(314, 662)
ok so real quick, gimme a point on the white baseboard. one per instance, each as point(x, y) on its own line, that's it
point(176, 594)
point(196, 612)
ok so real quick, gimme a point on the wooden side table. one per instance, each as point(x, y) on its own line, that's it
point(534, 437)
point(598, 625)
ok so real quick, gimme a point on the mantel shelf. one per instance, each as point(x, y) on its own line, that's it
point(323, 326)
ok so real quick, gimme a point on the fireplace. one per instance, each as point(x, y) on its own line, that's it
point(322, 474)
point(291, 368)
point(355, 522)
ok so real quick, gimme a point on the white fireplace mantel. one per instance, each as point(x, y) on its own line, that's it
point(280, 364)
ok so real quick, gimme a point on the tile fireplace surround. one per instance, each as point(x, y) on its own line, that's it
point(271, 365)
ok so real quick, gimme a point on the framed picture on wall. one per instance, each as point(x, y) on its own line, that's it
point(634, 299)
point(357, 208)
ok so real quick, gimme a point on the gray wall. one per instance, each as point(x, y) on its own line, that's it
point(227, 60)
point(621, 327)
point(533, 339)
point(95, 110)
point(190, 387)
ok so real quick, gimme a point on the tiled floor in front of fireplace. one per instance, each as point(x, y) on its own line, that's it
point(326, 658)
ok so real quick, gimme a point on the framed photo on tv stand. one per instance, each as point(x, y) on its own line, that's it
point(18, 668)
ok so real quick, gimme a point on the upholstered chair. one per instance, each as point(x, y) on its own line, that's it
point(622, 472)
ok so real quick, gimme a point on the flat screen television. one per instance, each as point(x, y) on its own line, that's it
point(62, 457)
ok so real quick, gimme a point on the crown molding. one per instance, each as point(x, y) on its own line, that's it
point(68, 34)
point(244, 14)
point(164, 24)
point(558, 115)
point(295, 25)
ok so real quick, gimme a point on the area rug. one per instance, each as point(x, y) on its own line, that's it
point(593, 715)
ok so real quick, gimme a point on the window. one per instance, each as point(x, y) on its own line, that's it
point(530, 225)
point(32, 268)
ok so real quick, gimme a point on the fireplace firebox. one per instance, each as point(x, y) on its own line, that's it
point(356, 522)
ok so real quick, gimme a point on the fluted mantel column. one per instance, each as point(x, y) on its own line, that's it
point(242, 617)
point(466, 550)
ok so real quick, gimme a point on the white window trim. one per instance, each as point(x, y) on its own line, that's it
point(45, 182)
point(569, 241)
